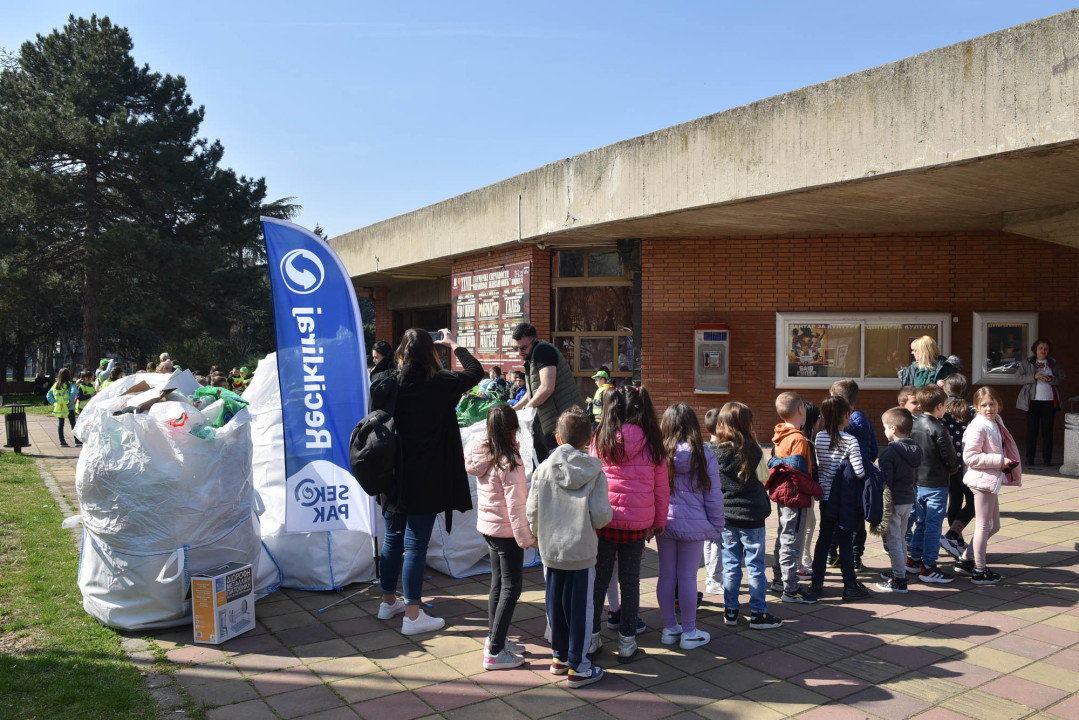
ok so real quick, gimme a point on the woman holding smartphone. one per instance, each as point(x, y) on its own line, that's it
point(431, 476)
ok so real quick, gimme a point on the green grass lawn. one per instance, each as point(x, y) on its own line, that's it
point(55, 660)
point(37, 404)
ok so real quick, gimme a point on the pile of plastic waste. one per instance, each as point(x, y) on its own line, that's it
point(164, 486)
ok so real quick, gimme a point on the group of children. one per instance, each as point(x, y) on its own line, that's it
point(606, 491)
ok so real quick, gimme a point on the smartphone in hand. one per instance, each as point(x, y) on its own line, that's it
point(436, 335)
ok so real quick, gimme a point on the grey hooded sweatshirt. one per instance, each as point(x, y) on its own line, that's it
point(899, 464)
point(567, 503)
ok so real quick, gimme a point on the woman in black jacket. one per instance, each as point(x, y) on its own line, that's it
point(382, 360)
point(431, 475)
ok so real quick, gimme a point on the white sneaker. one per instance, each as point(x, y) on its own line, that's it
point(713, 588)
point(422, 624)
point(386, 611)
point(698, 638)
point(670, 635)
point(595, 644)
point(505, 660)
point(513, 647)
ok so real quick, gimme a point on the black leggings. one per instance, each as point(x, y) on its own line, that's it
point(629, 582)
point(960, 500)
point(507, 559)
point(1041, 414)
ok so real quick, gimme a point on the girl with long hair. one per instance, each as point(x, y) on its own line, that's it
point(992, 460)
point(694, 515)
point(501, 496)
point(62, 396)
point(630, 446)
point(746, 506)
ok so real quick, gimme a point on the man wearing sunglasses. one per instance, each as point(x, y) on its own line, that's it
point(551, 388)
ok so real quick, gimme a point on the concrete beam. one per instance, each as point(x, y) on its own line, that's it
point(1057, 224)
point(1008, 92)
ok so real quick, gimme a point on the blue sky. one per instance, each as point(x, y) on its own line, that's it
point(363, 111)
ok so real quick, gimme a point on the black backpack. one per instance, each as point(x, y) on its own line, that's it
point(372, 450)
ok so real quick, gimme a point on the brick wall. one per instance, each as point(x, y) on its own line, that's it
point(383, 316)
point(744, 281)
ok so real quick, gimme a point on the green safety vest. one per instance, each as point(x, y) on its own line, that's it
point(85, 393)
point(61, 398)
point(565, 395)
point(597, 401)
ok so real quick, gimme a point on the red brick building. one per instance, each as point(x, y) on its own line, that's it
point(937, 195)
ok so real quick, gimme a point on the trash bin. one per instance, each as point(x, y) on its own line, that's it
point(18, 435)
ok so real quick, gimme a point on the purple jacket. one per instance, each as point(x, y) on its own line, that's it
point(692, 514)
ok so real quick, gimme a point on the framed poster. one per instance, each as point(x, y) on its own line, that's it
point(487, 304)
point(1001, 341)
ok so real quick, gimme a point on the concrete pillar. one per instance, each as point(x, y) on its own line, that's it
point(1071, 445)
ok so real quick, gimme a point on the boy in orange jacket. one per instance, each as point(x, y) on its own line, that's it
point(791, 486)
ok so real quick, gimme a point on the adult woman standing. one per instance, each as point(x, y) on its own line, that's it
point(1040, 397)
point(929, 365)
point(431, 474)
point(382, 357)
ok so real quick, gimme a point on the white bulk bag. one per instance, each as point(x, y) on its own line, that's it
point(157, 503)
point(307, 561)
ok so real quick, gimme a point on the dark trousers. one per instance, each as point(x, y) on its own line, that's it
point(507, 559)
point(960, 500)
point(60, 425)
point(857, 538)
point(1040, 416)
point(629, 582)
point(541, 443)
point(829, 532)
point(569, 605)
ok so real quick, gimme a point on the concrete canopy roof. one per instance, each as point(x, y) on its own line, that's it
point(982, 135)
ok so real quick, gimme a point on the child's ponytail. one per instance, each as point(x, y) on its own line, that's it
point(833, 412)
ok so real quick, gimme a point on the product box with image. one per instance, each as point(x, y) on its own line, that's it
point(223, 602)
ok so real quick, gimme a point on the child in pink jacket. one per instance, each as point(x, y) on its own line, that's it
point(992, 460)
point(629, 444)
point(501, 496)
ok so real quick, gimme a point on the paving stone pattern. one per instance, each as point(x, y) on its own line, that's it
point(938, 652)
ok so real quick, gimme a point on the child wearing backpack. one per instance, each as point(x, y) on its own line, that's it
point(791, 486)
point(840, 507)
point(501, 499)
point(694, 515)
point(630, 446)
point(746, 507)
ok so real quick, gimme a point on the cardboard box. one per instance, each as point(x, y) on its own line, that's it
point(222, 602)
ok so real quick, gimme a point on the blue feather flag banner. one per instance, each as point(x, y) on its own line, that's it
point(322, 370)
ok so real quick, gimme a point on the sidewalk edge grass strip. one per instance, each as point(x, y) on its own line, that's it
point(55, 660)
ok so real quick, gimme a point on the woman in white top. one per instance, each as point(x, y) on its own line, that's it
point(1040, 397)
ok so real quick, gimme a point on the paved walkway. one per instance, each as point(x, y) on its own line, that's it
point(939, 652)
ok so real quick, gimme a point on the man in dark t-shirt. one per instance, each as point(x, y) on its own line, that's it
point(551, 387)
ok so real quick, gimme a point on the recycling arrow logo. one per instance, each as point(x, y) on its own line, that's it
point(302, 271)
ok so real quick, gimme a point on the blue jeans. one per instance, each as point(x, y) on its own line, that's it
point(748, 544)
point(931, 506)
point(406, 537)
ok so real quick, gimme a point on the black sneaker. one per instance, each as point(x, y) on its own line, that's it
point(816, 589)
point(893, 585)
point(764, 621)
point(833, 560)
point(857, 591)
point(886, 575)
point(964, 567)
point(614, 619)
point(776, 587)
point(934, 575)
point(858, 566)
point(730, 616)
point(985, 577)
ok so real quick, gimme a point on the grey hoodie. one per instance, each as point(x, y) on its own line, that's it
point(899, 464)
point(566, 505)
